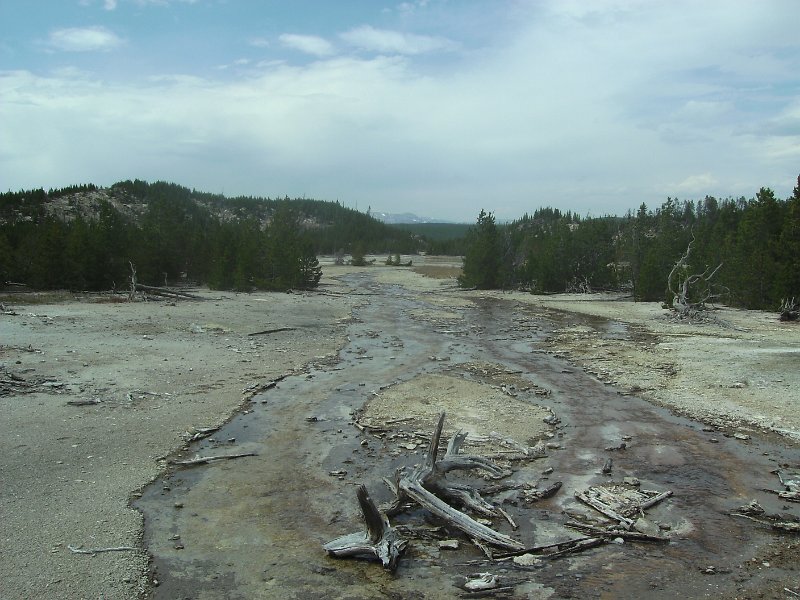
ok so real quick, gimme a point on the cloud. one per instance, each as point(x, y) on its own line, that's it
point(394, 42)
point(698, 184)
point(555, 105)
point(84, 39)
point(110, 4)
point(310, 44)
point(259, 42)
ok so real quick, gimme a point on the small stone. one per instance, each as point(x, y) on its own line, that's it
point(178, 505)
point(645, 526)
point(714, 440)
point(741, 436)
point(634, 481)
point(547, 471)
point(527, 560)
point(448, 545)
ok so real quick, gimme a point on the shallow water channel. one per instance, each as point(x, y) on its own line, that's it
point(253, 527)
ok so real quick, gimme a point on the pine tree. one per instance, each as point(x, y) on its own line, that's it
point(482, 261)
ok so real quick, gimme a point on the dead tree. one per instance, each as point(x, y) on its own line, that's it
point(790, 310)
point(132, 292)
point(691, 292)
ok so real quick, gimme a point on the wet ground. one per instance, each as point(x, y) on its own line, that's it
point(253, 527)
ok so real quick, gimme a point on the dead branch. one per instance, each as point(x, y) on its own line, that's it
point(557, 550)
point(786, 526)
point(268, 331)
point(203, 460)
point(79, 550)
point(619, 502)
point(615, 533)
point(603, 508)
point(380, 541)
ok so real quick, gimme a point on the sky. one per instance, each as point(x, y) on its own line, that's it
point(435, 107)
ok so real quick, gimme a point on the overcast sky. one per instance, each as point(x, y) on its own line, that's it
point(436, 107)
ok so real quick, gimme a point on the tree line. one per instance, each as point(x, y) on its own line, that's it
point(756, 242)
point(178, 234)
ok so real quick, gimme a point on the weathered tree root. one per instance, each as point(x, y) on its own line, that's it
point(428, 487)
point(380, 541)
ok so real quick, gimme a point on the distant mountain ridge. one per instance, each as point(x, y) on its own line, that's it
point(402, 218)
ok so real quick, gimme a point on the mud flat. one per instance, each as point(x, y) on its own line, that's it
point(99, 395)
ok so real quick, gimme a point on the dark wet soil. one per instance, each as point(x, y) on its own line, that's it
point(253, 527)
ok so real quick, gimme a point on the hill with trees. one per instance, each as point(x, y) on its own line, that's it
point(88, 238)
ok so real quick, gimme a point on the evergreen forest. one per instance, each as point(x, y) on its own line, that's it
point(752, 247)
point(86, 238)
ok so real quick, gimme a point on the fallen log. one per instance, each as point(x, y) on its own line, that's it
point(615, 533)
point(380, 541)
point(168, 292)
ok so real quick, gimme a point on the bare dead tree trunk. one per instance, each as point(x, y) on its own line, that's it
point(132, 292)
point(690, 293)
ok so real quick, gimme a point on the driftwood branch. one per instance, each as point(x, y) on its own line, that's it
point(380, 541)
point(203, 460)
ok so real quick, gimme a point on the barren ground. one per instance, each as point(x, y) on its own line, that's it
point(159, 370)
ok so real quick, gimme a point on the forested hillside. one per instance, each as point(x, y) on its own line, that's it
point(752, 248)
point(87, 238)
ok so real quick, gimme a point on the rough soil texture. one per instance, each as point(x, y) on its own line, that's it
point(737, 369)
point(160, 370)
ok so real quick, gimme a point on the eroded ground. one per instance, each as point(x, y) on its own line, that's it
point(252, 527)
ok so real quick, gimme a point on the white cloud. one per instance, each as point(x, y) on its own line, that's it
point(394, 42)
point(595, 111)
point(110, 4)
point(310, 44)
point(259, 42)
point(695, 185)
point(84, 39)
